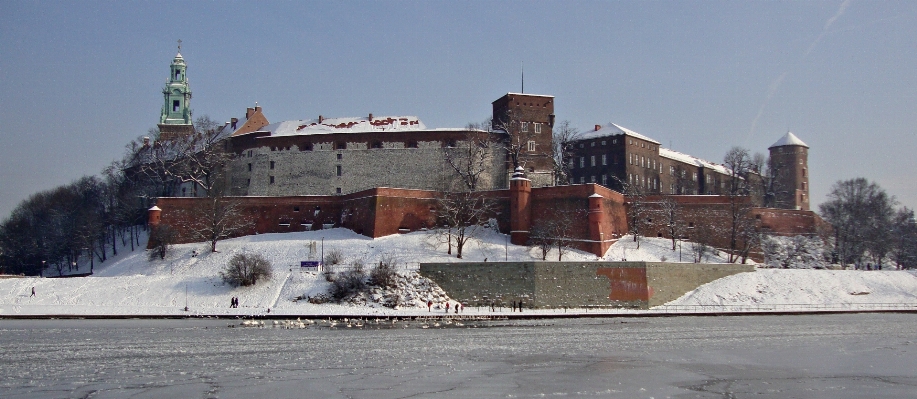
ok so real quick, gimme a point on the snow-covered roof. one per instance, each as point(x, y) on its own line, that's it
point(692, 160)
point(528, 94)
point(789, 139)
point(345, 125)
point(612, 129)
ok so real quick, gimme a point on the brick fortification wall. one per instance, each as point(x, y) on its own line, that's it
point(597, 215)
point(574, 284)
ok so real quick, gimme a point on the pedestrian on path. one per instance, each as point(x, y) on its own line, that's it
point(33, 292)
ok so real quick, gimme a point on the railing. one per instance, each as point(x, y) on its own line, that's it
point(784, 307)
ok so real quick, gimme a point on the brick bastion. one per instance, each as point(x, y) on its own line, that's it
point(545, 285)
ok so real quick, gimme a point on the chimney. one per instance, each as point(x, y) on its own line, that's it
point(597, 127)
point(146, 141)
point(234, 122)
point(370, 116)
point(257, 108)
point(249, 112)
point(321, 119)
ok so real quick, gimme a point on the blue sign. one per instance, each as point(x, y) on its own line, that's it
point(310, 264)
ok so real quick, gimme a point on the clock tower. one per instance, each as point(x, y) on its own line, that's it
point(175, 118)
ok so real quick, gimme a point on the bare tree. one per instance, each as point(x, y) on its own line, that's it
point(461, 217)
point(161, 238)
point(738, 191)
point(564, 134)
point(861, 213)
point(671, 215)
point(471, 157)
point(636, 208)
point(197, 159)
point(215, 217)
point(519, 132)
point(555, 232)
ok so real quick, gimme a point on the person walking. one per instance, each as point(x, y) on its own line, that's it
point(429, 306)
point(33, 292)
point(447, 306)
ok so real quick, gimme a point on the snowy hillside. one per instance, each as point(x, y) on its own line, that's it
point(131, 284)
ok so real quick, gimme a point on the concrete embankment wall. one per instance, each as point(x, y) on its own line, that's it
point(539, 285)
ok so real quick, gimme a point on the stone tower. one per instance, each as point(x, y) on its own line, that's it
point(790, 159)
point(528, 119)
point(175, 119)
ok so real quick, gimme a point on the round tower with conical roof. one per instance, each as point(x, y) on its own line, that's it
point(790, 161)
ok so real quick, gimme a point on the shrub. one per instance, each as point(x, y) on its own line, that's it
point(334, 257)
point(385, 275)
point(348, 283)
point(246, 269)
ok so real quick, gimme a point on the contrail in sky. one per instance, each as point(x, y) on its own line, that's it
point(775, 85)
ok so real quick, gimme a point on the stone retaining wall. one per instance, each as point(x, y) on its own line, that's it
point(640, 285)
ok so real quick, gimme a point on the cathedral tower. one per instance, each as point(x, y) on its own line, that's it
point(790, 159)
point(175, 119)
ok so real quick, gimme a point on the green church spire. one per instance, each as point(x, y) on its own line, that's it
point(176, 94)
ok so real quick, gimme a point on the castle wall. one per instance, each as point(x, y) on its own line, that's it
point(285, 168)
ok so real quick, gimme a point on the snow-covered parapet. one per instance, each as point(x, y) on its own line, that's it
point(345, 125)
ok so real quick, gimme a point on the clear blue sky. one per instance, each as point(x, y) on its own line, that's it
point(81, 79)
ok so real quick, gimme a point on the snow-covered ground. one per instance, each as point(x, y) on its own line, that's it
point(131, 284)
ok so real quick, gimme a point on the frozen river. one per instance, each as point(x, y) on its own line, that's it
point(827, 356)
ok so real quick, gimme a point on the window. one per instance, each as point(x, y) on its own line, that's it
point(337, 190)
point(537, 128)
point(248, 182)
point(412, 144)
point(249, 153)
point(340, 157)
point(272, 179)
point(377, 144)
point(531, 145)
point(614, 141)
point(804, 186)
point(603, 142)
point(694, 176)
point(671, 170)
point(604, 180)
point(631, 141)
point(592, 160)
point(592, 144)
point(272, 164)
point(683, 173)
point(582, 162)
point(581, 145)
point(307, 147)
point(582, 180)
point(176, 105)
point(804, 172)
point(592, 179)
point(177, 74)
point(295, 209)
point(338, 170)
point(341, 146)
point(249, 167)
point(604, 159)
point(525, 126)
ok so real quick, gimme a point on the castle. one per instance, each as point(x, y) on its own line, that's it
point(380, 175)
